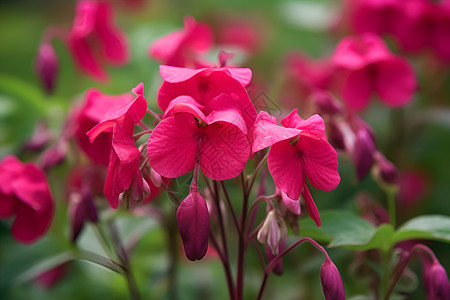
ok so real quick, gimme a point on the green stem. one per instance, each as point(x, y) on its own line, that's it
point(391, 207)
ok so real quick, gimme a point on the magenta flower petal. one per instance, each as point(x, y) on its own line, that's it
point(313, 125)
point(113, 41)
point(292, 204)
point(177, 74)
point(224, 151)
point(181, 48)
point(320, 162)
point(184, 104)
point(267, 132)
point(193, 225)
point(206, 86)
point(243, 75)
point(311, 206)
point(286, 169)
point(124, 163)
point(172, 146)
point(395, 82)
point(223, 108)
point(133, 110)
point(357, 89)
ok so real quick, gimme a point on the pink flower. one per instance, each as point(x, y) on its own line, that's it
point(368, 66)
point(435, 280)
point(186, 135)
point(96, 108)
point(182, 48)
point(193, 223)
point(94, 40)
point(299, 150)
point(123, 169)
point(24, 192)
point(204, 85)
point(240, 34)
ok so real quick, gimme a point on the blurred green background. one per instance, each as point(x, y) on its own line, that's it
point(415, 138)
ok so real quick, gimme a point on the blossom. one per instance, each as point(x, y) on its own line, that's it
point(299, 150)
point(368, 66)
point(123, 168)
point(96, 108)
point(435, 280)
point(205, 84)
point(25, 194)
point(182, 47)
point(186, 135)
point(95, 40)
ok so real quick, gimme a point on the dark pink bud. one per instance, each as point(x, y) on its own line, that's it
point(193, 225)
point(47, 67)
point(326, 103)
point(333, 288)
point(363, 153)
point(436, 281)
point(387, 171)
point(81, 209)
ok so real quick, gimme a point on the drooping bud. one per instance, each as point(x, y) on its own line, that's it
point(436, 283)
point(272, 232)
point(47, 67)
point(193, 224)
point(386, 170)
point(332, 286)
point(278, 268)
point(41, 137)
point(326, 103)
point(363, 152)
point(81, 209)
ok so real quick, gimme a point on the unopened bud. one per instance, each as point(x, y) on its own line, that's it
point(326, 103)
point(436, 281)
point(47, 67)
point(386, 170)
point(54, 155)
point(363, 152)
point(272, 232)
point(332, 286)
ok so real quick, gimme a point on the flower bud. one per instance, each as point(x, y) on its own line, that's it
point(332, 286)
point(272, 232)
point(386, 170)
point(436, 282)
point(193, 225)
point(47, 67)
point(326, 103)
point(363, 151)
point(54, 155)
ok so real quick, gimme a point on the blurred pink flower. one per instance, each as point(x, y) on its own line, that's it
point(368, 66)
point(299, 149)
point(182, 48)
point(240, 34)
point(95, 40)
point(332, 286)
point(25, 194)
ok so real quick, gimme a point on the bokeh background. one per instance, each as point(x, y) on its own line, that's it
point(416, 138)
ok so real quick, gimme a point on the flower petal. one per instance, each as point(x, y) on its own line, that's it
point(395, 82)
point(224, 151)
point(172, 146)
point(357, 89)
point(292, 204)
point(320, 162)
point(267, 132)
point(286, 169)
point(311, 206)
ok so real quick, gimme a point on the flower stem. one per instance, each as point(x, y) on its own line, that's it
point(242, 240)
point(391, 207)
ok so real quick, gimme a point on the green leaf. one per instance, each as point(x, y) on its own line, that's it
point(347, 230)
point(431, 227)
